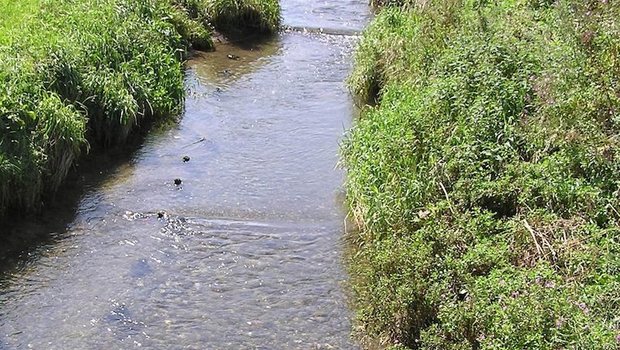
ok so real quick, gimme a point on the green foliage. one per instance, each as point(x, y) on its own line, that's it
point(400, 44)
point(15, 14)
point(486, 180)
point(261, 16)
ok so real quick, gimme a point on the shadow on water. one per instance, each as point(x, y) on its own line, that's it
point(22, 236)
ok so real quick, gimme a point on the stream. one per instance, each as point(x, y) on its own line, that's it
point(246, 252)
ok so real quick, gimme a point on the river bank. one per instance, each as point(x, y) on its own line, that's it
point(486, 179)
point(86, 75)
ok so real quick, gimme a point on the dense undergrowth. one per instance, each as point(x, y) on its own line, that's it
point(76, 74)
point(486, 180)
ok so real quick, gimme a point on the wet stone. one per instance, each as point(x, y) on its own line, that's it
point(178, 182)
point(140, 269)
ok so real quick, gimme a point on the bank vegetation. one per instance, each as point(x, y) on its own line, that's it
point(484, 175)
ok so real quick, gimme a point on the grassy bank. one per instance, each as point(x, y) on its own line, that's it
point(486, 181)
point(86, 73)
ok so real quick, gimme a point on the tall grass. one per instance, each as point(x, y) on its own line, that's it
point(233, 15)
point(85, 73)
point(486, 180)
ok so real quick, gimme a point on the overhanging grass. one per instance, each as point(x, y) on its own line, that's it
point(76, 74)
point(486, 182)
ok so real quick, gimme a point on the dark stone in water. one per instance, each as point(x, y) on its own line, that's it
point(186, 159)
point(140, 269)
point(178, 182)
point(160, 215)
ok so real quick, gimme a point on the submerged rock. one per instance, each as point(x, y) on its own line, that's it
point(140, 269)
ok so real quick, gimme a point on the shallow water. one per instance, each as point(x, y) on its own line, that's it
point(246, 253)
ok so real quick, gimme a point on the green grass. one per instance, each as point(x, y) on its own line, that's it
point(486, 181)
point(14, 15)
point(86, 73)
point(254, 15)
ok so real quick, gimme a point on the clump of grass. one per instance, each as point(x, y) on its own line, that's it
point(87, 73)
point(399, 44)
point(234, 16)
point(486, 180)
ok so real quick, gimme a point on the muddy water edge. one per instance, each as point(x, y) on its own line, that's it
point(245, 252)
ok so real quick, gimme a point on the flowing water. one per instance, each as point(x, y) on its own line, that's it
point(246, 253)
